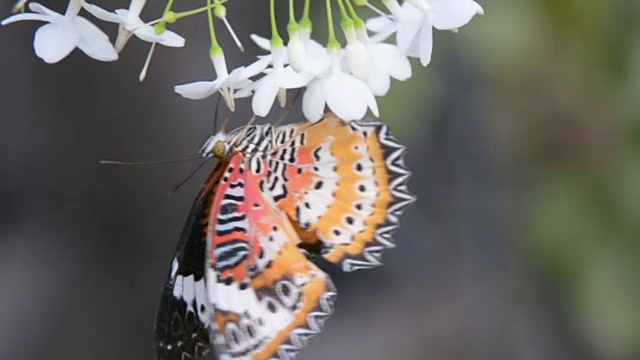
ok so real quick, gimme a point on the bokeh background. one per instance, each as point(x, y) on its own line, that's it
point(523, 136)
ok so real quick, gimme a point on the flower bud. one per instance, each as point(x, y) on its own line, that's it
point(358, 60)
point(220, 11)
point(297, 52)
point(219, 62)
point(357, 55)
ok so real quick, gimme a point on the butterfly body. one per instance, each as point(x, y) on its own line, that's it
point(240, 279)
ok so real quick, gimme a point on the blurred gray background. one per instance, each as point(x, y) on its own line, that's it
point(523, 138)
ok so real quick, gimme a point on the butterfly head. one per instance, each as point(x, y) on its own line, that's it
point(215, 146)
point(219, 149)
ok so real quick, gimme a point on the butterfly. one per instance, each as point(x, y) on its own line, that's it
point(242, 283)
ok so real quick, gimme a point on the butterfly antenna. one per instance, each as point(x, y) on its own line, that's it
point(173, 191)
point(152, 162)
point(215, 116)
point(290, 106)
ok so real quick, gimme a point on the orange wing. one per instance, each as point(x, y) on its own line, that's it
point(344, 184)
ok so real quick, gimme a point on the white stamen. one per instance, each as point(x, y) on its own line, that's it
point(233, 34)
point(282, 97)
point(380, 12)
point(124, 35)
point(123, 38)
point(18, 6)
point(143, 73)
point(227, 94)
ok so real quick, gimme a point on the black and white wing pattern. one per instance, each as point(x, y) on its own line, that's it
point(184, 315)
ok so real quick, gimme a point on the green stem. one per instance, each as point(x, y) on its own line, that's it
point(169, 6)
point(292, 15)
point(358, 22)
point(276, 40)
point(215, 47)
point(333, 42)
point(305, 22)
point(292, 26)
point(179, 15)
point(345, 21)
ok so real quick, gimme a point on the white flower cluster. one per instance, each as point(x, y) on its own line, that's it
point(346, 80)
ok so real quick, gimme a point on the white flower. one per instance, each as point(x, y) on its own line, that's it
point(279, 78)
point(262, 42)
point(130, 23)
point(346, 95)
point(316, 59)
point(357, 55)
point(275, 83)
point(415, 20)
point(225, 83)
point(54, 41)
point(296, 51)
point(387, 61)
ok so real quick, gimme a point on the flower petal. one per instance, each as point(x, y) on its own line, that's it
point(414, 48)
point(379, 82)
point(390, 59)
point(265, 95)
point(315, 49)
point(384, 34)
point(26, 16)
point(93, 41)
point(102, 14)
point(236, 79)
point(197, 90)
point(41, 9)
point(171, 39)
point(136, 6)
point(53, 42)
point(257, 67)
point(453, 14)
point(379, 23)
point(288, 78)
point(262, 42)
point(144, 32)
point(245, 91)
point(358, 59)
point(426, 42)
point(408, 30)
point(347, 97)
point(314, 99)
point(371, 103)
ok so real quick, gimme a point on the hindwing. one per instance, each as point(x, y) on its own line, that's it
point(343, 184)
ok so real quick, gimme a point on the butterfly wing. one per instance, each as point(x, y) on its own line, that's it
point(183, 318)
point(268, 298)
point(344, 184)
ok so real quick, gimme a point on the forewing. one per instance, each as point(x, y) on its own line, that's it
point(183, 318)
point(343, 184)
point(268, 298)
